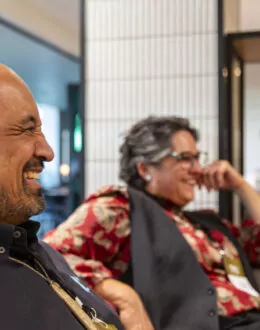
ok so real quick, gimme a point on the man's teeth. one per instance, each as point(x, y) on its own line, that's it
point(31, 175)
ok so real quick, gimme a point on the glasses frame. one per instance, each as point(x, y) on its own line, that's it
point(180, 157)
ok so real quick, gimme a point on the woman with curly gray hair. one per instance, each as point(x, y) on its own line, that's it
point(147, 156)
point(182, 264)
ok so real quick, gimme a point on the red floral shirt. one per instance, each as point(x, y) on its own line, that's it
point(95, 241)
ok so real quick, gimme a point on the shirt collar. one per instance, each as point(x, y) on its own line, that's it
point(17, 239)
point(31, 227)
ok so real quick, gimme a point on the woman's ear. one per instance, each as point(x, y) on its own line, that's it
point(143, 171)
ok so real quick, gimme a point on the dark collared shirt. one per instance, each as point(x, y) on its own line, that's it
point(27, 299)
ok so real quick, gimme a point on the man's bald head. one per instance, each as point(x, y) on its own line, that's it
point(8, 79)
point(7, 75)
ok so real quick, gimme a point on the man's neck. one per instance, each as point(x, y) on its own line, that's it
point(13, 220)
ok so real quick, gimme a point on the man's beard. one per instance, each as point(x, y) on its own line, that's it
point(15, 210)
point(35, 203)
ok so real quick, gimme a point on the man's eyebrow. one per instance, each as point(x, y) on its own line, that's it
point(28, 119)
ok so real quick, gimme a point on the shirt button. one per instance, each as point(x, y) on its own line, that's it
point(2, 250)
point(212, 313)
point(210, 292)
point(17, 234)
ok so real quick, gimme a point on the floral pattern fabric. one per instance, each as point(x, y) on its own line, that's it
point(95, 241)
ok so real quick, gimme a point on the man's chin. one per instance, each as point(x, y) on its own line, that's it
point(33, 192)
point(39, 206)
point(34, 205)
point(21, 209)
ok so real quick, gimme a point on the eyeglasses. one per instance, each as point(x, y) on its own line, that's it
point(189, 159)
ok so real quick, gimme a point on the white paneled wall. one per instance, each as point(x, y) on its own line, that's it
point(148, 57)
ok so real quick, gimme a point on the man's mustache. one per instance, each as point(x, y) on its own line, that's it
point(34, 163)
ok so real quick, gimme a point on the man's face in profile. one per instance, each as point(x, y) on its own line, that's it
point(23, 149)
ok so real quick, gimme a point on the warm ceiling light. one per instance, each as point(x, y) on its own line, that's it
point(65, 170)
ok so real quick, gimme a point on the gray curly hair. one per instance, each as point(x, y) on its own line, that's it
point(149, 141)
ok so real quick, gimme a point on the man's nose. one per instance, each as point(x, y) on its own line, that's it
point(43, 149)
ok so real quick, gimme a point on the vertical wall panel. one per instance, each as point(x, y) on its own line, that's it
point(148, 57)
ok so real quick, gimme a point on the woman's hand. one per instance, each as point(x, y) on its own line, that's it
point(128, 303)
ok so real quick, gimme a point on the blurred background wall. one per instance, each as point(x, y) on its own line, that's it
point(148, 57)
point(140, 58)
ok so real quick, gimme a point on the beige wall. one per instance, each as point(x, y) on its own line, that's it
point(241, 15)
point(231, 15)
point(148, 57)
point(249, 15)
point(43, 23)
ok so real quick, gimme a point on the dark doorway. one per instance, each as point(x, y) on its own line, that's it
point(242, 50)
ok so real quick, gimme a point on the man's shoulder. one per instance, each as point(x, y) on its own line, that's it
point(79, 288)
point(56, 258)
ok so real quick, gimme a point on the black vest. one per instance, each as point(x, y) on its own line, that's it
point(164, 269)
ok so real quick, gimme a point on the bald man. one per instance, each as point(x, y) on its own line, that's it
point(38, 290)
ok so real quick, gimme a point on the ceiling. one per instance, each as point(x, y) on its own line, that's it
point(69, 15)
point(46, 71)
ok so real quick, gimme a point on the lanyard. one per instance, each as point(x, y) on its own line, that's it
point(75, 305)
